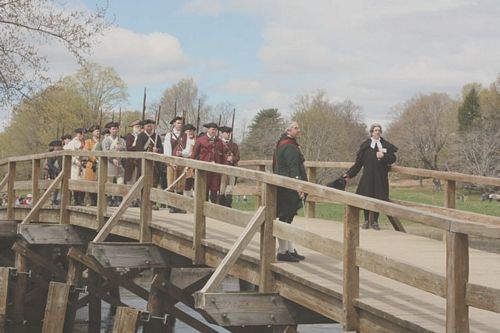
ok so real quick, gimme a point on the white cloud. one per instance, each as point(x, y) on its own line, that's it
point(243, 86)
point(138, 58)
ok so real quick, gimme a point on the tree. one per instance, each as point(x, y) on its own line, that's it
point(330, 131)
point(470, 109)
point(422, 129)
point(263, 134)
point(183, 96)
point(100, 87)
point(25, 25)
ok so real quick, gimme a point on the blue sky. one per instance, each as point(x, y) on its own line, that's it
point(258, 54)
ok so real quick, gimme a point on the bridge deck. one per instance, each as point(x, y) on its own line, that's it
point(317, 282)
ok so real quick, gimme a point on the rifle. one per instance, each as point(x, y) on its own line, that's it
point(144, 105)
point(100, 124)
point(175, 108)
point(220, 119)
point(184, 117)
point(232, 124)
point(157, 116)
point(198, 118)
point(119, 120)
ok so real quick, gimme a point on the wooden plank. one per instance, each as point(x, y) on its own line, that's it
point(11, 192)
point(308, 239)
point(8, 229)
point(258, 186)
point(351, 270)
point(65, 194)
point(114, 219)
point(235, 251)
point(156, 301)
point(128, 255)
point(449, 194)
point(457, 275)
point(267, 240)
point(126, 320)
point(55, 311)
point(187, 277)
point(53, 234)
point(249, 309)
point(46, 195)
point(21, 265)
point(4, 293)
point(310, 207)
point(199, 232)
point(396, 223)
point(102, 202)
point(171, 291)
point(190, 320)
point(402, 272)
point(39, 261)
point(94, 265)
point(226, 214)
point(172, 199)
point(146, 204)
point(73, 278)
point(94, 280)
point(482, 297)
point(35, 183)
point(4, 181)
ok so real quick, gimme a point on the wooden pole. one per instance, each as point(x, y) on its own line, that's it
point(94, 305)
point(20, 289)
point(126, 320)
point(11, 192)
point(102, 202)
point(65, 194)
point(351, 270)
point(146, 204)
point(259, 200)
point(310, 208)
point(199, 217)
point(35, 180)
point(73, 277)
point(267, 240)
point(4, 288)
point(55, 310)
point(156, 303)
point(457, 276)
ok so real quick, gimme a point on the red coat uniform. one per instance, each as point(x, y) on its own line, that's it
point(210, 150)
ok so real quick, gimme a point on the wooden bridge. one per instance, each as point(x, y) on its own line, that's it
point(387, 281)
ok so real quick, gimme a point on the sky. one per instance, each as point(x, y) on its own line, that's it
point(258, 54)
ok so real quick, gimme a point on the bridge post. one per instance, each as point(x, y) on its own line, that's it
point(65, 194)
point(457, 276)
point(199, 232)
point(102, 201)
point(351, 270)
point(267, 240)
point(449, 194)
point(259, 198)
point(11, 192)
point(146, 205)
point(310, 208)
point(35, 181)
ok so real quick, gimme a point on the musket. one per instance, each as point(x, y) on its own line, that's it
point(175, 108)
point(184, 117)
point(157, 116)
point(232, 124)
point(119, 120)
point(62, 131)
point(198, 117)
point(100, 124)
point(144, 105)
point(220, 119)
point(113, 116)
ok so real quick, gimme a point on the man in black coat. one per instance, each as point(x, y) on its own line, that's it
point(375, 155)
point(288, 161)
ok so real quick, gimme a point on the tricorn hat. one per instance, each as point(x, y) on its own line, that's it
point(135, 122)
point(338, 184)
point(55, 143)
point(147, 121)
point(112, 124)
point(189, 127)
point(211, 125)
point(225, 129)
point(81, 130)
point(94, 127)
point(66, 137)
point(175, 119)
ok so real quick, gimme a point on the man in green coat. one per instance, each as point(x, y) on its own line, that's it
point(288, 161)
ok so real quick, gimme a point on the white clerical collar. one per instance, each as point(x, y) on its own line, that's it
point(375, 143)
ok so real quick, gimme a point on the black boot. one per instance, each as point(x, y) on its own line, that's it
point(229, 200)
point(222, 200)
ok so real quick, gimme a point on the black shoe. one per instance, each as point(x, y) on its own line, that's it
point(365, 225)
point(297, 255)
point(287, 256)
point(375, 225)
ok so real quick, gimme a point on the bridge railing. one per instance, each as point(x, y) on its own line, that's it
point(454, 285)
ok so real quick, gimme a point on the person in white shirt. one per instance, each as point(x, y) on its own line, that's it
point(114, 142)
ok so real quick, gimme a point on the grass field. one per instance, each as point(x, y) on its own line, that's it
point(419, 194)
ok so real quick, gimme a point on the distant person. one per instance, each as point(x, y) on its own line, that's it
point(375, 155)
point(54, 165)
point(149, 141)
point(114, 143)
point(288, 161)
point(90, 171)
point(75, 144)
point(189, 131)
point(175, 141)
point(232, 156)
point(130, 164)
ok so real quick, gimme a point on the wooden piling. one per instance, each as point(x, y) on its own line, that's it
point(55, 311)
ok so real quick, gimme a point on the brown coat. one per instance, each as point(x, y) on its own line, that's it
point(90, 171)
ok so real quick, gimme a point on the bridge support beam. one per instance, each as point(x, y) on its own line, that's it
point(351, 270)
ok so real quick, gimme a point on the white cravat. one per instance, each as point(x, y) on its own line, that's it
point(376, 142)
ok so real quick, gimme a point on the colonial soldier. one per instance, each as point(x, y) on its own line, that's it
point(76, 143)
point(375, 155)
point(232, 157)
point(190, 139)
point(209, 148)
point(130, 164)
point(148, 140)
point(173, 145)
point(114, 142)
point(54, 165)
point(288, 161)
point(90, 171)
point(65, 139)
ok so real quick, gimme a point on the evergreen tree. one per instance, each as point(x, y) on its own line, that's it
point(469, 110)
point(263, 133)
